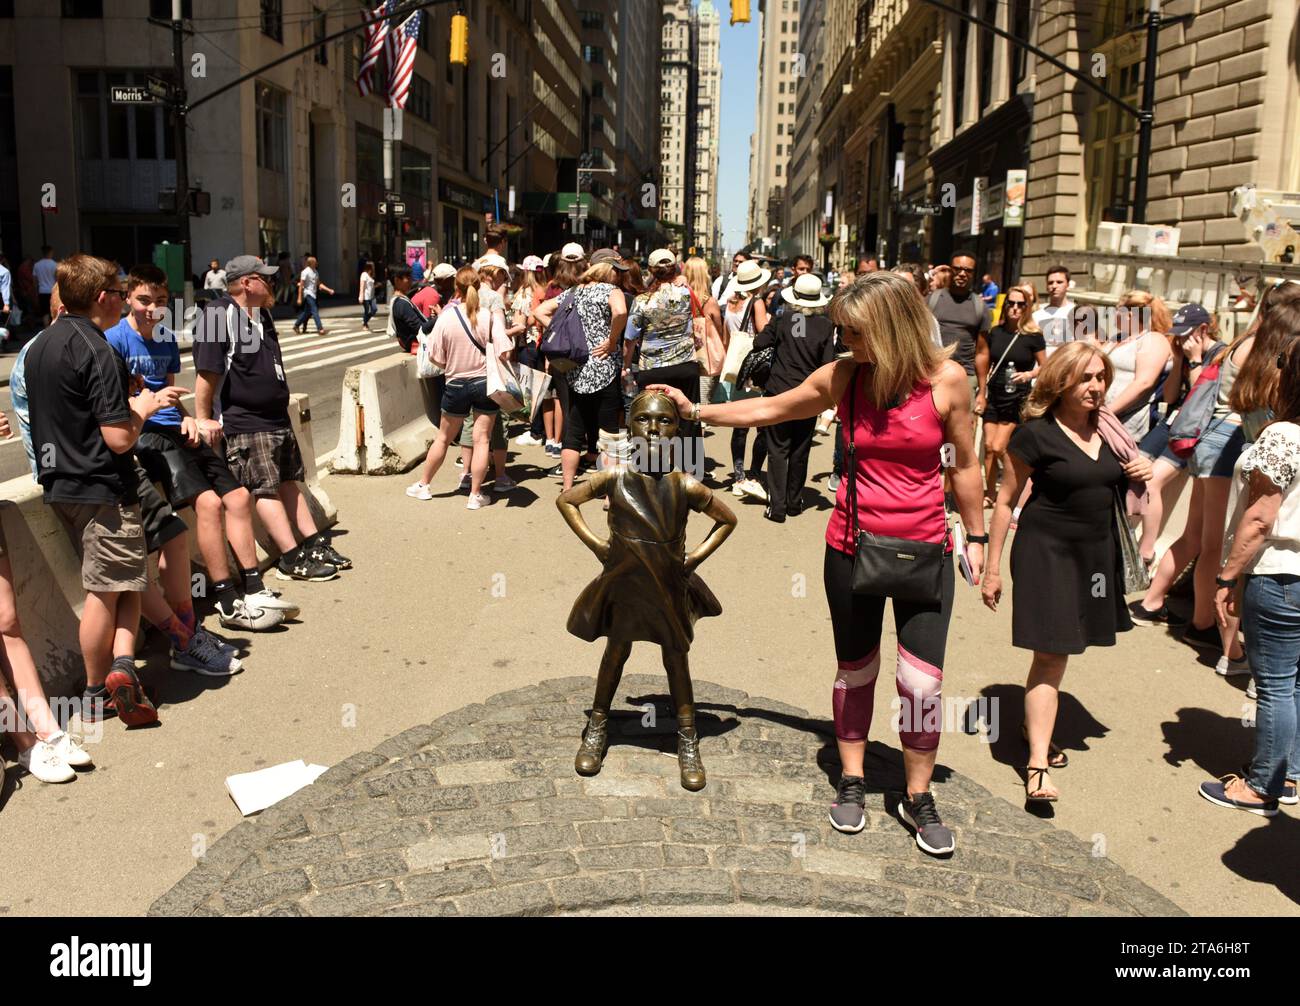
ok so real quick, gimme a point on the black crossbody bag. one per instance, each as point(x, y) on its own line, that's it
point(900, 568)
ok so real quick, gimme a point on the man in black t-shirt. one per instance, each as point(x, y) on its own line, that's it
point(241, 395)
point(84, 426)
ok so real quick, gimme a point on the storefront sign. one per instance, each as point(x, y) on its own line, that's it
point(961, 216)
point(460, 196)
point(979, 195)
point(994, 200)
point(1013, 210)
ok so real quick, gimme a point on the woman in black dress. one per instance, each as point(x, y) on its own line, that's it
point(1066, 567)
point(1007, 359)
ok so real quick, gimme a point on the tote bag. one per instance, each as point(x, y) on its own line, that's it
point(742, 341)
point(502, 381)
point(709, 350)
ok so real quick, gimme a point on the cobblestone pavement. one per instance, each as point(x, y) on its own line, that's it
point(481, 813)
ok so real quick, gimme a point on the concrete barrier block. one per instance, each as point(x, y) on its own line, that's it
point(385, 424)
point(47, 582)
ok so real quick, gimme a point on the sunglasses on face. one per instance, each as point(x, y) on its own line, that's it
point(962, 268)
point(1015, 303)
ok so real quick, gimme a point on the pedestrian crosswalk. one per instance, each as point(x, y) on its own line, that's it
point(345, 344)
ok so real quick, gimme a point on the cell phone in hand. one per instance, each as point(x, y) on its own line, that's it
point(959, 546)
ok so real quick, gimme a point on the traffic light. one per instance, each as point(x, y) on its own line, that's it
point(459, 39)
point(740, 11)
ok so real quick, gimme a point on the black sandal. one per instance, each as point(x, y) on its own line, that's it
point(1056, 758)
point(1030, 772)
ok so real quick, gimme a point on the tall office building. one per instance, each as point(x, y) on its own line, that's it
point(637, 120)
point(802, 204)
point(690, 116)
point(781, 66)
point(706, 228)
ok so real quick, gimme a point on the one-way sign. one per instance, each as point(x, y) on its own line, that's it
point(131, 94)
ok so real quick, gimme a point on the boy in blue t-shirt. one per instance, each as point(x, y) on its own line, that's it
point(191, 472)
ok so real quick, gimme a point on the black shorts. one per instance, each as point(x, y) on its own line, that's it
point(1002, 410)
point(589, 413)
point(264, 460)
point(160, 522)
point(184, 472)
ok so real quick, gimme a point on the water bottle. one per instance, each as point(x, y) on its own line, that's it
point(629, 385)
point(1011, 379)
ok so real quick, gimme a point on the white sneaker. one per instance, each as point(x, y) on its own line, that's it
point(752, 487)
point(270, 600)
point(1231, 668)
point(69, 750)
point(505, 484)
point(737, 487)
point(248, 617)
point(1251, 693)
point(527, 439)
point(477, 501)
point(43, 761)
point(419, 491)
point(833, 483)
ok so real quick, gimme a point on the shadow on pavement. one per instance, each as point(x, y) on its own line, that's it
point(1215, 743)
point(1266, 855)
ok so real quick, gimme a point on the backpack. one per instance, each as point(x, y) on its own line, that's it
point(1197, 413)
point(564, 344)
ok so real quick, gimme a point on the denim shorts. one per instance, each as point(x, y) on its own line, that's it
point(1217, 451)
point(461, 396)
point(1155, 445)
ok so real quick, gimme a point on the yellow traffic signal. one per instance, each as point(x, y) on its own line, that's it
point(459, 40)
point(740, 11)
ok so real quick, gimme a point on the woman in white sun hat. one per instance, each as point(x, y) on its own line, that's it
point(745, 316)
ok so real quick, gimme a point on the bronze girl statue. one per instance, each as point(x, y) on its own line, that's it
point(648, 589)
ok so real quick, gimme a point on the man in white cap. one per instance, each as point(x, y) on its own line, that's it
point(430, 297)
point(804, 339)
point(722, 285)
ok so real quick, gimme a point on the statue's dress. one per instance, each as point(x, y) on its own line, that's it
point(644, 592)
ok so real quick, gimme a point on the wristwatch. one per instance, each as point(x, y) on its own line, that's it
point(1229, 584)
point(977, 539)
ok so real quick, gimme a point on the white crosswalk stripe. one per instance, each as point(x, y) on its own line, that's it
point(313, 352)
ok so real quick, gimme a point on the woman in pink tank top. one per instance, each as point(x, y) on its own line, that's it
point(911, 419)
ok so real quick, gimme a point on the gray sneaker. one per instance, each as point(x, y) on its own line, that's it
point(931, 834)
point(206, 658)
point(848, 811)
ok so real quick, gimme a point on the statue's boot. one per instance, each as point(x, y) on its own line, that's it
point(688, 759)
point(595, 739)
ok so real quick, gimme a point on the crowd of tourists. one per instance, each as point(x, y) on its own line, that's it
point(959, 412)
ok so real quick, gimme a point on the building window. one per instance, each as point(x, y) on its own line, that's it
point(1019, 56)
point(318, 25)
point(272, 128)
point(592, 19)
point(778, 171)
point(271, 236)
point(118, 132)
point(593, 54)
point(598, 89)
point(1112, 150)
point(273, 19)
point(420, 101)
point(783, 67)
point(83, 8)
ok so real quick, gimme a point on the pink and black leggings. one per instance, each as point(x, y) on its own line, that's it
point(922, 631)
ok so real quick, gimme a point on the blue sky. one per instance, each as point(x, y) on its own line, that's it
point(739, 93)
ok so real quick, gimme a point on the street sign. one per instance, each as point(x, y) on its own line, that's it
point(978, 196)
point(131, 94)
point(159, 87)
point(398, 208)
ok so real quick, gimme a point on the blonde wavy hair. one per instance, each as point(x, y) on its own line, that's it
point(601, 272)
point(899, 332)
point(1062, 371)
point(1027, 323)
point(696, 271)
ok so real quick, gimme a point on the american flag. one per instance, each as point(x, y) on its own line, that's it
point(376, 35)
point(401, 59)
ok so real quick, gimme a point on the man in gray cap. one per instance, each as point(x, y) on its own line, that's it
point(241, 396)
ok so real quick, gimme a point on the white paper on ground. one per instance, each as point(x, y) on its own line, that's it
point(255, 791)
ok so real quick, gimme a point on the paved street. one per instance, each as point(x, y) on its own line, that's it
point(447, 608)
